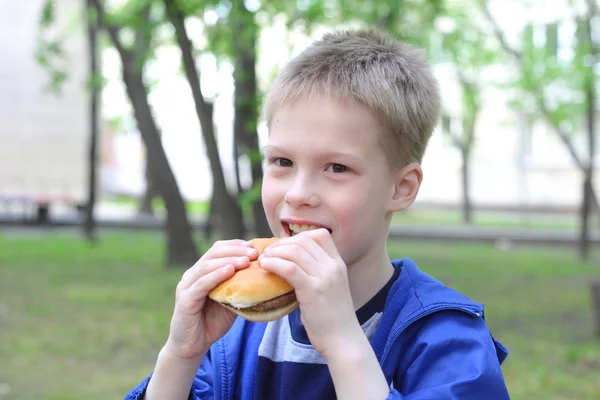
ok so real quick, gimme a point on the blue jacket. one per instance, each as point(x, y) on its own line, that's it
point(432, 343)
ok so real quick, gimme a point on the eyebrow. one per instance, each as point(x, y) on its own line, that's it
point(271, 147)
point(328, 154)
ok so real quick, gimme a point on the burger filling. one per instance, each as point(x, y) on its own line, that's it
point(273, 304)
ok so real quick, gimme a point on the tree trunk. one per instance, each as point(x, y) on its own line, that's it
point(211, 219)
point(584, 239)
point(584, 233)
point(595, 289)
point(145, 206)
point(247, 104)
point(586, 204)
point(180, 246)
point(467, 207)
point(236, 162)
point(90, 222)
point(230, 213)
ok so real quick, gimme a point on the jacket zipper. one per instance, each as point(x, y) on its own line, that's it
point(423, 314)
point(223, 371)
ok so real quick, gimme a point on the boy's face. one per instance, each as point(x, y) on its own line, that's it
point(326, 168)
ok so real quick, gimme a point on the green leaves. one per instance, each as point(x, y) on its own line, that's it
point(465, 46)
point(48, 14)
point(556, 80)
point(129, 14)
point(49, 51)
point(96, 82)
point(248, 197)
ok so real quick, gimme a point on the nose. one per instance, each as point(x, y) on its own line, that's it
point(302, 193)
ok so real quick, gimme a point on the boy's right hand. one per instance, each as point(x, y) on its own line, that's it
point(198, 321)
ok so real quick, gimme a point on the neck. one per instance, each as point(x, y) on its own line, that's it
point(368, 275)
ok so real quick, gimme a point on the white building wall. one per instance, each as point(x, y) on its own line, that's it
point(42, 137)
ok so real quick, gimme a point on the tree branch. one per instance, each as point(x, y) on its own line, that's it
point(112, 30)
point(499, 35)
point(143, 35)
point(592, 13)
point(541, 102)
point(563, 136)
point(177, 19)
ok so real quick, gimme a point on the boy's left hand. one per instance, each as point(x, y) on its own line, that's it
point(310, 262)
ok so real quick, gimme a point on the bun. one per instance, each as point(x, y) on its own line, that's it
point(254, 293)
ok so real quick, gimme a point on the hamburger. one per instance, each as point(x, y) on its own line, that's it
point(254, 293)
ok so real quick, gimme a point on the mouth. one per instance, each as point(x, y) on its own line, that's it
point(293, 228)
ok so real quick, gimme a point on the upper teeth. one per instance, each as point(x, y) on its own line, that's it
point(295, 228)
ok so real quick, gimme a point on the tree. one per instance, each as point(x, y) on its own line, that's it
point(247, 105)
point(590, 49)
point(554, 85)
point(230, 214)
point(412, 21)
point(181, 249)
point(145, 206)
point(464, 46)
point(462, 136)
point(92, 30)
point(132, 18)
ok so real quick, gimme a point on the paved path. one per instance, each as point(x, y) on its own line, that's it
point(123, 218)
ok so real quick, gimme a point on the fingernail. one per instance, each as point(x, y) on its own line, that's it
point(251, 251)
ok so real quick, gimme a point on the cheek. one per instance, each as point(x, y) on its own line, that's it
point(360, 210)
point(271, 194)
point(352, 210)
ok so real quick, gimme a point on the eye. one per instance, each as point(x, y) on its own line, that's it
point(338, 168)
point(282, 162)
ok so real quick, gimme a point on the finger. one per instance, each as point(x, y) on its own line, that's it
point(208, 266)
point(296, 253)
point(230, 250)
point(202, 287)
point(321, 236)
point(286, 269)
point(231, 242)
point(306, 241)
point(219, 250)
point(325, 241)
point(312, 246)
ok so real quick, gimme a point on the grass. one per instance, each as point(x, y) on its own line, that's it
point(87, 322)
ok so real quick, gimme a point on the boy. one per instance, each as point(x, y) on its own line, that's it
point(349, 120)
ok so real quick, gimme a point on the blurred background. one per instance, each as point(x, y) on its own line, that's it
point(130, 137)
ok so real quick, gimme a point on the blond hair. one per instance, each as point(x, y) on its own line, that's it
point(390, 78)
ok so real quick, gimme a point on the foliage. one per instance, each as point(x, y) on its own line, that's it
point(465, 47)
point(49, 51)
point(555, 64)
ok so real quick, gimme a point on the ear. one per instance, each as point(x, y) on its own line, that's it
point(407, 182)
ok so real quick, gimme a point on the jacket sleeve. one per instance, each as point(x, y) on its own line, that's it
point(452, 356)
point(202, 387)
